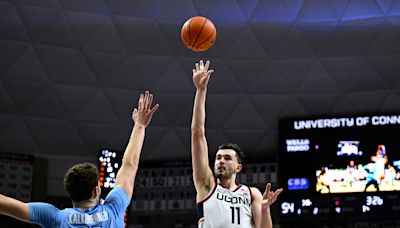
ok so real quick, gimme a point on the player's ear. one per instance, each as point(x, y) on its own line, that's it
point(239, 168)
point(96, 191)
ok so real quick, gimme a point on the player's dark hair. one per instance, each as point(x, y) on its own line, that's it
point(239, 152)
point(80, 180)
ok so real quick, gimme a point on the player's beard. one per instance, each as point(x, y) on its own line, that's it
point(224, 175)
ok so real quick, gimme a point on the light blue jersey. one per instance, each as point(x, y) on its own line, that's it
point(110, 214)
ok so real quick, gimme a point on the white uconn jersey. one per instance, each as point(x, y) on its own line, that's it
point(226, 209)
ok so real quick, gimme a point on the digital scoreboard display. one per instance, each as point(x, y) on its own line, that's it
point(109, 163)
point(339, 165)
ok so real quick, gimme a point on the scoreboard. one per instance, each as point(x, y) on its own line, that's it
point(339, 166)
point(16, 171)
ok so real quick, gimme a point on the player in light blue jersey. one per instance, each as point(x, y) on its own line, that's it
point(82, 183)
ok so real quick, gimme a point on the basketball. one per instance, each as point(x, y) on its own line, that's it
point(198, 33)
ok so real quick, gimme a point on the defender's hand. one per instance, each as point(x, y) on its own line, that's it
point(143, 114)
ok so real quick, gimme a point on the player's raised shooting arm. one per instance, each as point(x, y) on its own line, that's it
point(202, 174)
point(201, 170)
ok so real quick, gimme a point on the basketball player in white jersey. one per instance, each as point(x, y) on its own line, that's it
point(221, 202)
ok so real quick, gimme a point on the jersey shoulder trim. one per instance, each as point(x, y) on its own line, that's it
point(251, 195)
point(199, 205)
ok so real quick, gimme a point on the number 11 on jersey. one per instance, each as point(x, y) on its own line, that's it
point(237, 209)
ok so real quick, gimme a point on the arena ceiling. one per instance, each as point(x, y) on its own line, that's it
point(71, 71)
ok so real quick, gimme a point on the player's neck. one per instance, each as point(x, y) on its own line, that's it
point(228, 183)
point(86, 204)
